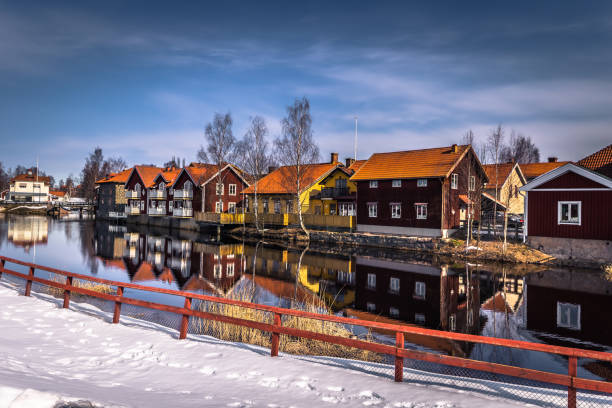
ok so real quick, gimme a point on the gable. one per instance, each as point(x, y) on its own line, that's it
point(133, 180)
point(570, 179)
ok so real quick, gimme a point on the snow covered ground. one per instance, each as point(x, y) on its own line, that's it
point(49, 354)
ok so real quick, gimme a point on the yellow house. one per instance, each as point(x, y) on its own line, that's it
point(276, 190)
point(337, 194)
point(508, 178)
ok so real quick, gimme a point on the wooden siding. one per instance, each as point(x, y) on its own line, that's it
point(596, 217)
point(211, 197)
point(196, 202)
point(570, 180)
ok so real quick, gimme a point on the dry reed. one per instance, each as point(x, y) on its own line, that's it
point(93, 286)
point(288, 344)
point(607, 271)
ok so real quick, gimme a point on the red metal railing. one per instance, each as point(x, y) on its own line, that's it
point(276, 329)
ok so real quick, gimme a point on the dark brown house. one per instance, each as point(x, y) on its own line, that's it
point(429, 192)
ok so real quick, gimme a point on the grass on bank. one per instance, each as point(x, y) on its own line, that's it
point(288, 344)
point(93, 286)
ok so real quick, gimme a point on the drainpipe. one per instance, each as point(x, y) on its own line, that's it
point(525, 208)
point(442, 211)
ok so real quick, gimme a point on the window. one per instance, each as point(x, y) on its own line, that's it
point(219, 189)
point(422, 183)
point(372, 210)
point(454, 181)
point(373, 183)
point(394, 285)
point(231, 208)
point(265, 206)
point(229, 270)
point(277, 206)
point(232, 189)
point(22, 186)
point(171, 191)
point(218, 208)
point(569, 212)
point(394, 312)
point(290, 207)
point(340, 183)
point(187, 186)
point(568, 316)
point(217, 271)
point(396, 210)
point(452, 322)
point(419, 318)
point(396, 183)
point(371, 307)
point(371, 281)
point(419, 290)
point(421, 211)
point(473, 183)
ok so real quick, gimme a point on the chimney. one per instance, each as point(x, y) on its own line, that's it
point(349, 162)
point(271, 169)
point(552, 159)
point(29, 172)
point(334, 158)
point(454, 148)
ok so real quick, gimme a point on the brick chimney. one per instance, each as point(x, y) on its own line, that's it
point(271, 169)
point(349, 162)
point(334, 158)
point(454, 148)
point(552, 159)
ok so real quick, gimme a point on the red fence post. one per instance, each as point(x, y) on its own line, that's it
point(2, 261)
point(275, 336)
point(571, 390)
point(28, 287)
point(118, 305)
point(399, 361)
point(185, 320)
point(67, 292)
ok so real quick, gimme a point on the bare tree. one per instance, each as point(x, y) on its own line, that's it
point(4, 178)
point(296, 149)
point(520, 150)
point(495, 143)
point(254, 157)
point(95, 168)
point(220, 149)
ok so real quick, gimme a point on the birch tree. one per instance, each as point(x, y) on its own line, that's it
point(220, 149)
point(495, 143)
point(296, 149)
point(254, 157)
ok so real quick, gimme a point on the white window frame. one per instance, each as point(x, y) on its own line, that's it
point(371, 281)
point(232, 189)
point(421, 211)
point(229, 270)
point(569, 325)
point(371, 307)
point(420, 290)
point(569, 203)
point(394, 285)
point(231, 207)
point(454, 181)
point(373, 183)
point(372, 213)
point(218, 208)
point(170, 204)
point(396, 183)
point(396, 210)
point(421, 182)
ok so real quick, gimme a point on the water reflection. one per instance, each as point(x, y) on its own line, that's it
point(26, 232)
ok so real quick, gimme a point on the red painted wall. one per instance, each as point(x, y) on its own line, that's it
point(570, 180)
point(211, 197)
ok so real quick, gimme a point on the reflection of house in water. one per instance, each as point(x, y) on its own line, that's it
point(27, 231)
point(431, 296)
point(572, 304)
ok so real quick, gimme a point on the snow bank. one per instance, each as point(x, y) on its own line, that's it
point(49, 354)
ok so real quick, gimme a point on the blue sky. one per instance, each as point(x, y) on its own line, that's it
point(142, 79)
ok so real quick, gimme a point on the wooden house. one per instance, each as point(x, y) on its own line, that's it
point(110, 195)
point(505, 180)
point(568, 210)
point(429, 192)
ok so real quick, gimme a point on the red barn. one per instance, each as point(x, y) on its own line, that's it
point(428, 192)
point(568, 212)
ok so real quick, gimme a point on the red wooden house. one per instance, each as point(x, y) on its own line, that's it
point(428, 192)
point(568, 211)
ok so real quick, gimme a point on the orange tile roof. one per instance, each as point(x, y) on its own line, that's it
point(356, 165)
point(201, 172)
point(280, 180)
point(57, 193)
point(144, 273)
point(120, 177)
point(148, 174)
point(533, 170)
point(31, 177)
point(503, 172)
point(436, 162)
point(600, 161)
point(170, 175)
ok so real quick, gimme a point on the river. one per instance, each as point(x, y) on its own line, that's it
point(559, 306)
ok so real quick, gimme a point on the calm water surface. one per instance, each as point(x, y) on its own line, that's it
point(555, 306)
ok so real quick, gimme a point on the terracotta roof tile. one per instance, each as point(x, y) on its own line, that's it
point(503, 171)
point(31, 177)
point(533, 170)
point(356, 165)
point(600, 161)
point(57, 193)
point(280, 180)
point(120, 177)
point(435, 162)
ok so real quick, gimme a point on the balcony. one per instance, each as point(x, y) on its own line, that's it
point(183, 194)
point(132, 210)
point(328, 193)
point(157, 211)
point(132, 194)
point(157, 194)
point(183, 212)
